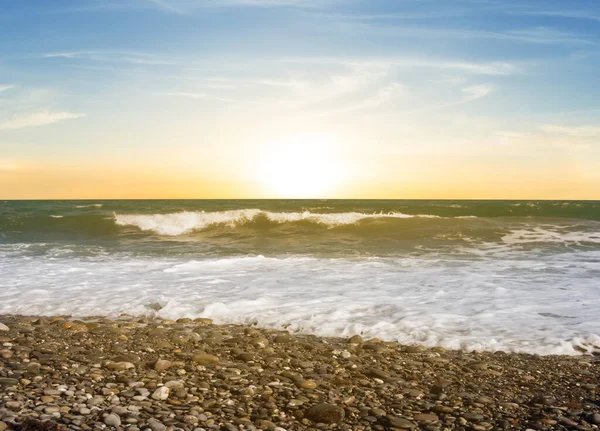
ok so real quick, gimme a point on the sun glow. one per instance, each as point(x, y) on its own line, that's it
point(305, 166)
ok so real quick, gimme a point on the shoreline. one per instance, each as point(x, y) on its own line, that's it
point(142, 373)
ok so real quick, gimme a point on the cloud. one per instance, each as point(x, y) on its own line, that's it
point(111, 56)
point(585, 15)
point(37, 119)
point(473, 68)
point(476, 92)
point(200, 96)
point(185, 7)
point(380, 97)
point(5, 87)
point(579, 137)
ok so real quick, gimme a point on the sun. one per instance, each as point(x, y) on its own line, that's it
point(306, 166)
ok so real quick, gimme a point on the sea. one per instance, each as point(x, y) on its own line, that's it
point(514, 276)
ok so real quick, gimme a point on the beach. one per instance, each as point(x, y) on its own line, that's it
point(138, 373)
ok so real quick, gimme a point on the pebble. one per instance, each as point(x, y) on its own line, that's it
point(155, 425)
point(308, 384)
point(162, 365)
point(161, 393)
point(325, 413)
point(112, 420)
point(202, 359)
point(187, 376)
point(402, 423)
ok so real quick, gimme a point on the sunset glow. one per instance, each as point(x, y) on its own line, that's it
point(339, 99)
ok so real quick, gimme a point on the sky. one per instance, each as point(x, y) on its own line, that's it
point(417, 99)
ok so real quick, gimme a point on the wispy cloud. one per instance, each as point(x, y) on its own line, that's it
point(5, 87)
point(111, 56)
point(572, 14)
point(380, 97)
point(36, 119)
point(185, 7)
point(568, 137)
point(476, 92)
point(167, 6)
point(195, 95)
point(535, 35)
point(474, 68)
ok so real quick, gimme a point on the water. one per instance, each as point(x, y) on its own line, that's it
point(493, 275)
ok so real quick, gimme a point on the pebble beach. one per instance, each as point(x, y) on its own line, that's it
point(59, 373)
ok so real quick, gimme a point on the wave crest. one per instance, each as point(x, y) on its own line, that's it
point(180, 223)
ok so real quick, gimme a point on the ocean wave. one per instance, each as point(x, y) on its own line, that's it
point(90, 206)
point(56, 216)
point(180, 223)
point(483, 304)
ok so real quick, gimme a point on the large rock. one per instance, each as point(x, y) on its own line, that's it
point(3, 327)
point(325, 413)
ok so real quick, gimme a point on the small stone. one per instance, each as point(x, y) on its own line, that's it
point(568, 422)
point(119, 366)
point(3, 327)
point(595, 419)
point(14, 405)
point(443, 409)
point(162, 365)
point(478, 366)
point(8, 382)
point(426, 418)
point(161, 393)
point(266, 425)
point(414, 349)
point(283, 339)
point(112, 420)
point(397, 422)
point(202, 359)
point(155, 425)
point(308, 384)
point(3, 426)
point(325, 413)
point(174, 384)
point(473, 417)
point(355, 339)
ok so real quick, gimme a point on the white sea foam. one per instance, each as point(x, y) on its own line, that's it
point(529, 303)
point(550, 234)
point(56, 216)
point(187, 221)
point(90, 206)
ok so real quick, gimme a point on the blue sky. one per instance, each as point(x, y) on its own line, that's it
point(408, 98)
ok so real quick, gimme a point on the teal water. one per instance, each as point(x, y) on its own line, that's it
point(274, 227)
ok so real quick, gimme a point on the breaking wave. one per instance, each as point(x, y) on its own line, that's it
point(185, 222)
point(89, 206)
